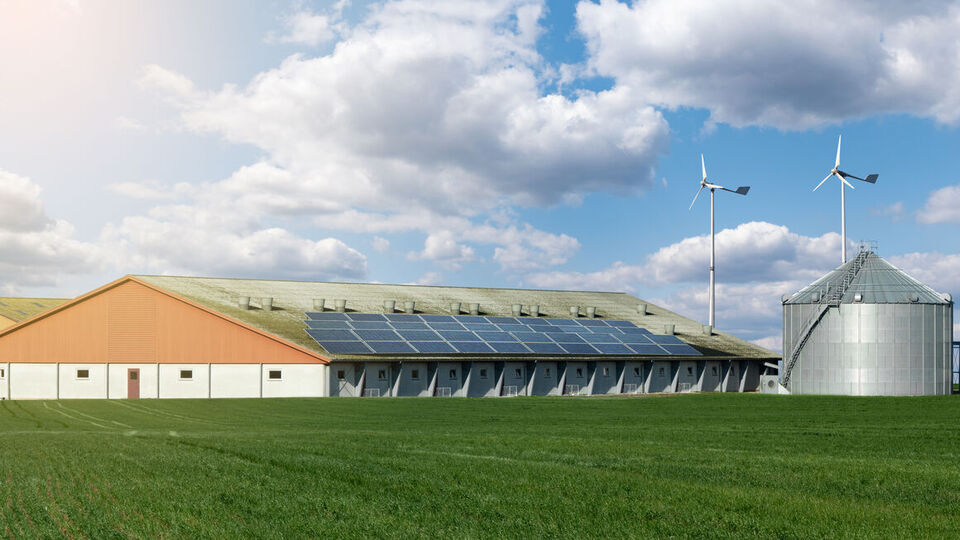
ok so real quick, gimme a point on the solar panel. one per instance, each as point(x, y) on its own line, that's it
point(327, 316)
point(365, 317)
point(391, 347)
point(419, 335)
point(332, 335)
point(509, 347)
point(432, 347)
point(345, 347)
point(400, 333)
point(378, 335)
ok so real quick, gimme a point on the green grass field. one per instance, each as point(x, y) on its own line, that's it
point(691, 465)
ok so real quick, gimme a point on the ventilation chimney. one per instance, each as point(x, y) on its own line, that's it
point(409, 306)
point(517, 310)
point(707, 330)
point(574, 311)
point(455, 308)
point(641, 309)
point(318, 304)
point(266, 303)
point(591, 312)
point(474, 308)
point(244, 302)
point(389, 306)
point(340, 305)
point(669, 329)
point(534, 310)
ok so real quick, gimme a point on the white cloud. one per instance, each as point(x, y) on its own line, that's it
point(772, 343)
point(937, 270)
point(151, 190)
point(170, 82)
point(943, 206)
point(380, 244)
point(790, 65)
point(308, 28)
point(895, 212)
point(34, 248)
point(442, 247)
point(429, 278)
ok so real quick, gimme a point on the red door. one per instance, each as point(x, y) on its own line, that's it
point(133, 383)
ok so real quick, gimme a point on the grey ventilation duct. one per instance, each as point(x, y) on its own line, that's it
point(409, 306)
point(389, 306)
point(244, 302)
point(534, 311)
point(641, 309)
point(669, 329)
point(707, 330)
point(517, 310)
point(574, 311)
point(474, 308)
point(266, 303)
point(340, 305)
point(318, 304)
point(591, 312)
point(455, 308)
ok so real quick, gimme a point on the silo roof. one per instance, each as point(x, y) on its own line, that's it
point(877, 282)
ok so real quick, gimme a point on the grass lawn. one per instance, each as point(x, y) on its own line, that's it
point(690, 465)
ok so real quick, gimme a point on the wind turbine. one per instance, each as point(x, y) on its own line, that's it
point(842, 176)
point(742, 190)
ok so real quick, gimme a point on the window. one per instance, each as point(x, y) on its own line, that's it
point(661, 372)
point(341, 375)
point(275, 375)
point(713, 370)
point(83, 373)
point(134, 375)
point(415, 374)
point(579, 372)
point(517, 373)
point(606, 371)
point(453, 374)
point(2, 373)
point(636, 372)
point(483, 373)
point(382, 374)
point(546, 372)
point(689, 371)
point(186, 374)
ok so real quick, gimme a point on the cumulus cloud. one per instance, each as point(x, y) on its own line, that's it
point(380, 244)
point(943, 206)
point(34, 248)
point(790, 65)
point(895, 212)
point(442, 248)
point(937, 270)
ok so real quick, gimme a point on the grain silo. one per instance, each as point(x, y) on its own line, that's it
point(867, 328)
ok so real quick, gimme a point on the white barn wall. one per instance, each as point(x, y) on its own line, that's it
point(298, 380)
point(3, 381)
point(235, 380)
point(118, 380)
point(93, 387)
point(171, 386)
point(33, 381)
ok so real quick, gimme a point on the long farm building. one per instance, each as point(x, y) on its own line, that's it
point(188, 337)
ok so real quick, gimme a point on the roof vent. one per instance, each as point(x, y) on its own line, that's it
point(914, 298)
point(947, 298)
point(517, 310)
point(389, 306)
point(474, 308)
point(340, 305)
point(641, 309)
point(455, 308)
point(574, 311)
point(244, 302)
point(318, 304)
point(591, 312)
point(409, 306)
point(785, 298)
point(669, 329)
point(534, 311)
point(858, 297)
point(707, 330)
point(266, 303)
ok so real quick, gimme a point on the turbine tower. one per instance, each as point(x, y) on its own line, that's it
point(742, 190)
point(842, 176)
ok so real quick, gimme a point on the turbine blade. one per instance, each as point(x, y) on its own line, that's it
point(844, 180)
point(703, 167)
point(695, 197)
point(822, 181)
point(837, 164)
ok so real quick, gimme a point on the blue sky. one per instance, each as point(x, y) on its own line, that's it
point(512, 143)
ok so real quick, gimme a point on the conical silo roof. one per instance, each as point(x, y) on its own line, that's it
point(875, 280)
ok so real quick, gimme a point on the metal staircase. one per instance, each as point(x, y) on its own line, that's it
point(831, 298)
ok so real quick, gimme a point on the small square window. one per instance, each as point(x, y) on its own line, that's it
point(636, 372)
point(415, 374)
point(186, 374)
point(713, 370)
point(483, 373)
point(382, 374)
point(341, 375)
point(134, 375)
point(275, 375)
point(606, 371)
point(453, 374)
point(546, 372)
point(83, 373)
point(689, 370)
point(579, 372)
point(517, 373)
point(661, 372)
point(2, 373)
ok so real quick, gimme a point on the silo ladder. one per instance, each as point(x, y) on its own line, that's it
point(805, 332)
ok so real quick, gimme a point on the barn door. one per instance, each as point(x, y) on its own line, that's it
point(133, 383)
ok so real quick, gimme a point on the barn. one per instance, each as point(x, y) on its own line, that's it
point(14, 310)
point(192, 337)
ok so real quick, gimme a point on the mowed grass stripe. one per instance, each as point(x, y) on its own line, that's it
point(691, 465)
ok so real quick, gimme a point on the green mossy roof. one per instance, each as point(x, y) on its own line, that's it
point(20, 309)
point(292, 299)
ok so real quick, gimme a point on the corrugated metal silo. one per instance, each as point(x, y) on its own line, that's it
point(868, 328)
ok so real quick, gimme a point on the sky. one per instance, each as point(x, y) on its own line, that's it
point(502, 143)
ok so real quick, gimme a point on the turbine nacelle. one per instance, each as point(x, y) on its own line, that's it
point(842, 175)
point(742, 190)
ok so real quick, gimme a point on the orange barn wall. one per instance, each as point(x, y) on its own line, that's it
point(132, 323)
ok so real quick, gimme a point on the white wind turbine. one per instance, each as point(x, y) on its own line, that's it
point(742, 190)
point(842, 176)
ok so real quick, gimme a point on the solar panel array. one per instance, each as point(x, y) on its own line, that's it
point(373, 333)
